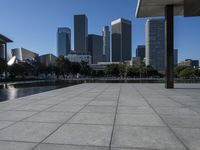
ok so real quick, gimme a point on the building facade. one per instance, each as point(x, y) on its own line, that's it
point(155, 43)
point(95, 48)
point(190, 63)
point(2, 55)
point(79, 58)
point(23, 54)
point(80, 33)
point(121, 40)
point(195, 63)
point(63, 41)
point(106, 43)
point(140, 52)
point(47, 59)
point(175, 57)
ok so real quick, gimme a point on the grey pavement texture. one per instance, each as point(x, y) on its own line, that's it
point(104, 117)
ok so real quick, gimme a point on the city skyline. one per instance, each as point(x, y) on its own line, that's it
point(45, 42)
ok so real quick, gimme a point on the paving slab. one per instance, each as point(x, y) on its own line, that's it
point(93, 118)
point(50, 117)
point(65, 108)
point(182, 121)
point(178, 111)
point(34, 107)
point(68, 147)
point(76, 134)
point(27, 132)
point(126, 149)
point(135, 110)
point(146, 138)
point(191, 137)
point(103, 103)
point(16, 145)
point(139, 120)
point(99, 109)
point(4, 124)
point(15, 115)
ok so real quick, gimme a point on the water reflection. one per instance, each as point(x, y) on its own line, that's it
point(12, 91)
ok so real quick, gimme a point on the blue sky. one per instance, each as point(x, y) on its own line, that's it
point(32, 24)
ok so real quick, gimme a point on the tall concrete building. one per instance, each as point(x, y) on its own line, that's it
point(63, 41)
point(175, 57)
point(95, 48)
point(121, 40)
point(155, 43)
point(106, 43)
point(2, 55)
point(80, 33)
point(140, 52)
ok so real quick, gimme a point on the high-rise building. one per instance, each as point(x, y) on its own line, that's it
point(155, 43)
point(63, 41)
point(23, 54)
point(121, 40)
point(80, 33)
point(175, 57)
point(2, 55)
point(95, 48)
point(140, 52)
point(195, 63)
point(106, 43)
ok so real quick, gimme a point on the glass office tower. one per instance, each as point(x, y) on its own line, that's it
point(63, 41)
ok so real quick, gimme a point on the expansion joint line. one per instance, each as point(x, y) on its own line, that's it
point(115, 117)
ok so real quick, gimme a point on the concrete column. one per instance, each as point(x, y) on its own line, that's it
point(169, 46)
point(6, 71)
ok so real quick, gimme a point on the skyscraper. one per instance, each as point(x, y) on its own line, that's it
point(63, 41)
point(155, 43)
point(121, 40)
point(95, 47)
point(80, 33)
point(106, 43)
point(140, 52)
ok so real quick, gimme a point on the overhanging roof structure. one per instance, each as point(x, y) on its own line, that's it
point(156, 8)
point(4, 39)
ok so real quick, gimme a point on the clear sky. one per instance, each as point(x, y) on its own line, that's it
point(32, 24)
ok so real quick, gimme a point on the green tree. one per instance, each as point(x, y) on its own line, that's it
point(122, 70)
point(197, 72)
point(85, 68)
point(18, 69)
point(75, 68)
point(112, 70)
point(187, 73)
point(151, 71)
point(178, 70)
point(133, 71)
point(56, 70)
point(64, 65)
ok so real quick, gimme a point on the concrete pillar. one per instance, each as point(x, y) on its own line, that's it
point(169, 46)
point(6, 71)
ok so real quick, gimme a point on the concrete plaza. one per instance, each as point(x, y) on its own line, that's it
point(104, 117)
